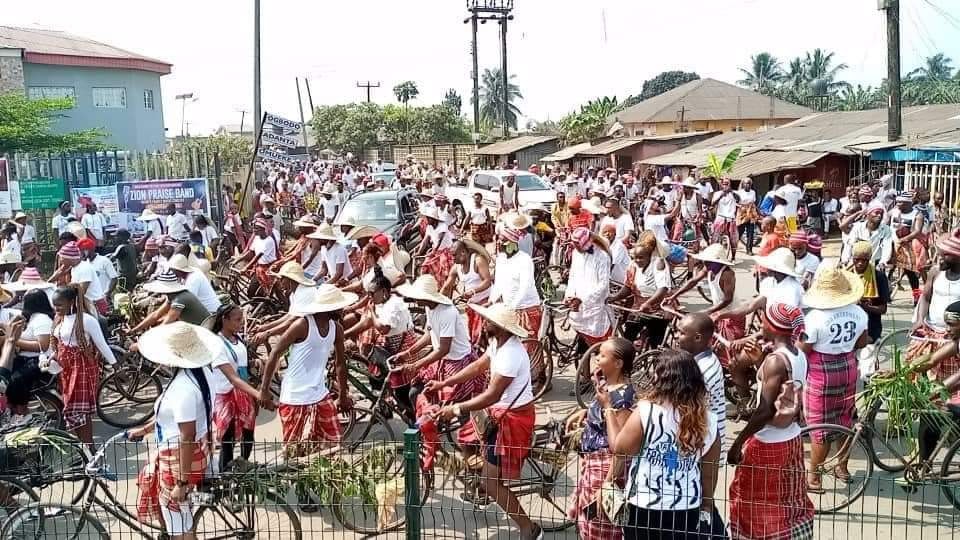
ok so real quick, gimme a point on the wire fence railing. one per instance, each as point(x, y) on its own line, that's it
point(52, 487)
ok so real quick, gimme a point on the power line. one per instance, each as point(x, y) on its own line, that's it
point(955, 22)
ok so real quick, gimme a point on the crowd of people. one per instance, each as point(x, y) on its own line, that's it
point(650, 454)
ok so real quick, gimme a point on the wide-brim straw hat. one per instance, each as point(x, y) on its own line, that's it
point(77, 229)
point(362, 231)
point(689, 182)
point(594, 206)
point(307, 220)
point(324, 232)
point(5, 296)
point(833, 288)
point(475, 247)
point(349, 221)
point(534, 207)
point(325, 298)
point(29, 279)
point(780, 260)
point(401, 258)
point(502, 316)
point(10, 257)
point(180, 263)
point(165, 283)
point(516, 220)
point(429, 211)
point(147, 215)
point(19, 215)
point(426, 288)
point(667, 181)
point(329, 189)
point(714, 253)
point(294, 271)
point(180, 344)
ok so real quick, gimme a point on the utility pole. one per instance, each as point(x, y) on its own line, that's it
point(476, 79)
point(682, 113)
point(482, 11)
point(506, 78)
point(894, 125)
point(309, 96)
point(303, 123)
point(368, 85)
point(257, 113)
point(243, 116)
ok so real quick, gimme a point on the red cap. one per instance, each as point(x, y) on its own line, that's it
point(574, 202)
point(86, 244)
point(381, 241)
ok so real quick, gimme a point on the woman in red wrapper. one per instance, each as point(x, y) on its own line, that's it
point(471, 272)
point(436, 245)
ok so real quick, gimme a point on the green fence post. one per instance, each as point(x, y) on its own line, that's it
point(411, 458)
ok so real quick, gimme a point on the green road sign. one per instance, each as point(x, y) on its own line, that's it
point(42, 193)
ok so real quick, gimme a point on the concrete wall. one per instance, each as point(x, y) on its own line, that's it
point(667, 128)
point(11, 71)
point(131, 128)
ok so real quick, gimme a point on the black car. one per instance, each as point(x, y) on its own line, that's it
point(387, 210)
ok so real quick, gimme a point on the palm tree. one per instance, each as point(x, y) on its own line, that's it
point(764, 72)
point(858, 99)
point(821, 75)
point(796, 76)
point(937, 68)
point(406, 91)
point(491, 98)
point(452, 100)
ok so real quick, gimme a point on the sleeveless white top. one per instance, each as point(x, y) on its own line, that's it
point(798, 375)
point(945, 292)
point(508, 194)
point(305, 381)
point(478, 216)
point(713, 285)
point(689, 208)
point(315, 264)
point(471, 279)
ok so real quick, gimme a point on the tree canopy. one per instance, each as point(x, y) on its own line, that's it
point(491, 99)
point(590, 121)
point(664, 82)
point(406, 91)
point(355, 126)
point(453, 100)
point(25, 126)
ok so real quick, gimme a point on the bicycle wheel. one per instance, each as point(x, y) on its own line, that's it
point(248, 516)
point(57, 473)
point(950, 475)
point(52, 521)
point(547, 488)
point(889, 444)
point(47, 405)
point(845, 447)
point(642, 364)
point(385, 468)
point(366, 426)
point(888, 346)
point(116, 404)
point(14, 495)
point(541, 371)
point(583, 383)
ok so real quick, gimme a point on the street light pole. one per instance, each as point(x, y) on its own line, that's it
point(257, 113)
point(183, 110)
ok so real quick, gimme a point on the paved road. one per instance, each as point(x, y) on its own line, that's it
point(885, 511)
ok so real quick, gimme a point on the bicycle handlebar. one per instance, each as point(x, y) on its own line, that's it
point(93, 466)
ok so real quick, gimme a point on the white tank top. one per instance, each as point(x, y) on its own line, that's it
point(798, 374)
point(945, 292)
point(471, 279)
point(478, 216)
point(689, 208)
point(713, 285)
point(305, 381)
point(508, 194)
point(315, 264)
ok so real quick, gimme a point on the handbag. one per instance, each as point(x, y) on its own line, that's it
point(483, 422)
point(612, 498)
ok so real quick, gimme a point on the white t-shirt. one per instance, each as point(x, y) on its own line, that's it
point(440, 237)
point(218, 381)
point(705, 189)
point(511, 360)
point(332, 256)
point(29, 234)
point(792, 195)
point(200, 286)
point(95, 223)
point(808, 264)
point(395, 313)
point(60, 223)
point(726, 205)
point(154, 228)
point(330, 207)
point(747, 196)
point(834, 331)
point(266, 248)
point(624, 225)
point(662, 477)
point(305, 381)
point(84, 272)
point(39, 325)
point(105, 271)
point(210, 234)
point(657, 224)
point(513, 282)
point(789, 291)
point(181, 402)
point(445, 321)
point(176, 226)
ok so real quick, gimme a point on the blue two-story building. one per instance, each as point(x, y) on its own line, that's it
point(111, 88)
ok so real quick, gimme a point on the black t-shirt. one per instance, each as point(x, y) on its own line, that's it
point(875, 320)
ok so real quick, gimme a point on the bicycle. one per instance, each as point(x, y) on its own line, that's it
point(36, 457)
point(125, 396)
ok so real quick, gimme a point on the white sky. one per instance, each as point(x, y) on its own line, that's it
point(562, 52)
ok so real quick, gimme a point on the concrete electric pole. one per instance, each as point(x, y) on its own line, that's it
point(894, 121)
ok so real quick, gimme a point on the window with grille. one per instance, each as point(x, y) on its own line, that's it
point(148, 99)
point(110, 98)
point(40, 92)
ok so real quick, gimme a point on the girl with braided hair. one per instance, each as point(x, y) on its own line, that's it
point(76, 339)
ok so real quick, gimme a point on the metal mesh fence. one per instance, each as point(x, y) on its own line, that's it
point(51, 487)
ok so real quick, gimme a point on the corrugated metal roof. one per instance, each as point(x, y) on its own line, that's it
point(709, 99)
point(767, 161)
point(511, 146)
point(566, 153)
point(611, 146)
point(36, 40)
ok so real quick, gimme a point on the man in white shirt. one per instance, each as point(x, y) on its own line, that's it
point(588, 287)
point(831, 209)
point(725, 224)
point(106, 273)
point(94, 222)
point(788, 198)
point(196, 282)
point(62, 218)
point(807, 262)
point(514, 285)
point(177, 224)
point(705, 189)
point(622, 221)
point(85, 276)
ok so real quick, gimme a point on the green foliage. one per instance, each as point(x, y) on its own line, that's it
point(590, 122)
point(666, 81)
point(234, 151)
point(406, 91)
point(938, 67)
point(859, 98)
point(765, 72)
point(718, 169)
point(25, 126)
point(453, 100)
point(491, 99)
point(353, 127)
point(546, 127)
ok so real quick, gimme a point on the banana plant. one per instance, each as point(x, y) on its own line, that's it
point(718, 169)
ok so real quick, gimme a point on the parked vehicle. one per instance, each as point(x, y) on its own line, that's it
point(533, 189)
point(387, 210)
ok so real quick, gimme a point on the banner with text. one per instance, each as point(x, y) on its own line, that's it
point(105, 197)
point(190, 196)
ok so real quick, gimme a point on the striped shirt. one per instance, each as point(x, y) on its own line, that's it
point(713, 378)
